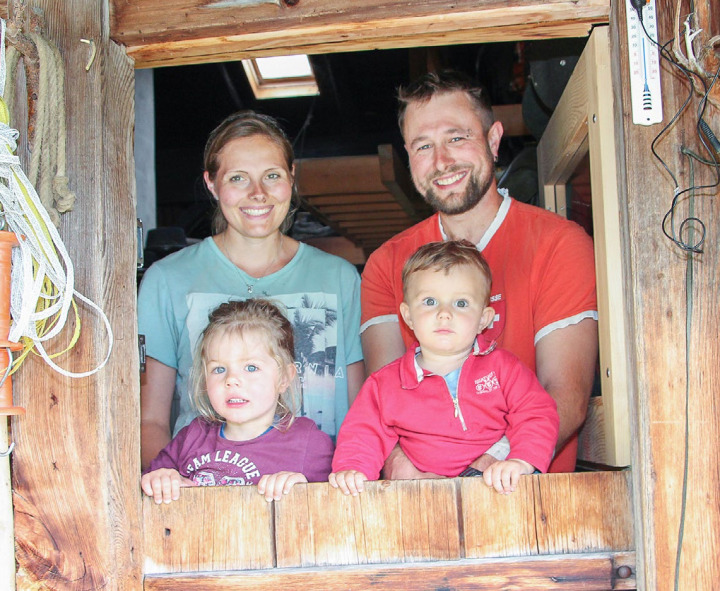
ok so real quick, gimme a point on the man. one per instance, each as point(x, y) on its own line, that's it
point(543, 288)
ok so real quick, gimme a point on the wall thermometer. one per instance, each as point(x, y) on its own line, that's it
point(645, 91)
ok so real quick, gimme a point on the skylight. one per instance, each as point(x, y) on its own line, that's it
point(285, 76)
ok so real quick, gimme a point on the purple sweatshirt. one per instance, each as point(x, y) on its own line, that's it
point(199, 452)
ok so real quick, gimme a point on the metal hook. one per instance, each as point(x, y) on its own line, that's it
point(91, 43)
point(4, 454)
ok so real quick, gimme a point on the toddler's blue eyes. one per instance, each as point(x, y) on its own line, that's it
point(462, 304)
point(251, 368)
point(429, 301)
point(218, 370)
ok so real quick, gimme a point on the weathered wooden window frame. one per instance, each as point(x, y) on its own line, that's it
point(584, 122)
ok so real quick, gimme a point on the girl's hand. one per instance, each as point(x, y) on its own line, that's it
point(350, 482)
point(504, 476)
point(274, 486)
point(164, 484)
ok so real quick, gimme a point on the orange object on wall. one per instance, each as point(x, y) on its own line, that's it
point(7, 241)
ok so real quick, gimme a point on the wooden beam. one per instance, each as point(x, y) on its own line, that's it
point(395, 177)
point(614, 334)
point(76, 464)
point(674, 325)
point(392, 521)
point(331, 176)
point(594, 572)
point(174, 32)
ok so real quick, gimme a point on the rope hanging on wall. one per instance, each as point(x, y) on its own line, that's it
point(46, 129)
point(42, 273)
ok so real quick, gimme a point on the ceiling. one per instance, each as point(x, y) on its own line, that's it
point(354, 115)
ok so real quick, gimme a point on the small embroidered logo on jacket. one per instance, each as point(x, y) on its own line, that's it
point(487, 384)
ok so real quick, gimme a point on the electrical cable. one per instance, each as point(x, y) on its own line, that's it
point(42, 273)
point(703, 131)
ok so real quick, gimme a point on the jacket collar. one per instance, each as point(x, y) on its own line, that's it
point(411, 374)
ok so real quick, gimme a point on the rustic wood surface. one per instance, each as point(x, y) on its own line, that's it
point(498, 525)
point(172, 32)
point(218, 528)
point(557, 573)
point(659, 314)
point(585, 512)
point(76, 462)
point(391, 522)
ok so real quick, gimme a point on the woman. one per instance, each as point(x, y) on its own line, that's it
point(249, 170)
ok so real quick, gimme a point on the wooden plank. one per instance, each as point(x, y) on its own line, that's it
point(396, 178)
point(389, 206)
point(333, 176)
point(349, 216)
point(189, 31)
point(595, 572)
point(347, 197)
point(220, 528)
point(76, 462)
point(389, 225)
point(564, 142)
point(389, 522)
point(584, 512)
point(486, 514)
point(612, 300)
point(674, 377)
point(339, 246)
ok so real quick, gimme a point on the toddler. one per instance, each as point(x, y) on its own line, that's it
point(448, 399)
point(246, 432)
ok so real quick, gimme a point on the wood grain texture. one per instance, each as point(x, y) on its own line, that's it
point(228, 528)
point(390, 522)
point(76, 464)
point(666, 370)
point(220, 528)
point(585, 512)
point(557, 573)
point(498, 525)
point(189, 31)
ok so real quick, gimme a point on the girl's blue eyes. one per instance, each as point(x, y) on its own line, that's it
point(250, 368)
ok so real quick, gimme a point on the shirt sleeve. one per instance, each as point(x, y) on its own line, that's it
point(364, 441)
point(378, 290)
point(169, 456)
point(351, 314)
point(318, 455)
point(532, 417)
point(156, 318)
point(565, 292)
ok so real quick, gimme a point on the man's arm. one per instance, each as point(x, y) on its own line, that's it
point(381, 344)
point(566, 360)
point(157, 386)
point(355, 379)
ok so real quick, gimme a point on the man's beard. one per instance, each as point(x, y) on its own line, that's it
point(474, 192)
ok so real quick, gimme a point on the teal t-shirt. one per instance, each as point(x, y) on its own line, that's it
point(320, 293)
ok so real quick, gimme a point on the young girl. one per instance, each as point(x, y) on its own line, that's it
point(246, 432)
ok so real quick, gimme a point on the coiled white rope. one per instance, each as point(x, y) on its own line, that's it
point(42, 287)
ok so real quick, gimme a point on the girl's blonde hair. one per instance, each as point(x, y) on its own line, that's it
point(239, 318)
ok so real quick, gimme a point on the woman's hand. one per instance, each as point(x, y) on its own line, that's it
point(274, 486)
point(164, 484)
point(350, 482)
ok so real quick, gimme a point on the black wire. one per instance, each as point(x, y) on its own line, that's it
point(690, 222)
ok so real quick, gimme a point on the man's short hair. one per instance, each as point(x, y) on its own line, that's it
point(443, 256)
point(433, 83)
